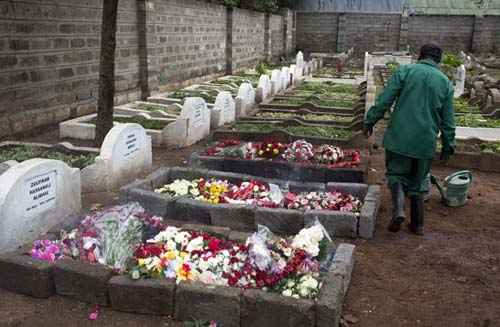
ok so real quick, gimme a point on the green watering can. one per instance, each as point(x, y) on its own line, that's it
point(455, 189)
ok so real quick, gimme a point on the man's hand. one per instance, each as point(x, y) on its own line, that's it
point(367, 131)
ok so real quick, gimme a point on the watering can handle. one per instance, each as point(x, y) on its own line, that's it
point(460, 173)
point(439, 187)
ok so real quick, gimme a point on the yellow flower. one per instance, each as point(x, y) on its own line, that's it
point(171, 255)
point(141, 262)
point(183, 255)
point(276, 151)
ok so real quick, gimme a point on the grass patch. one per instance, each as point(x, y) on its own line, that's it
point(476, 120)
point(22, 153)
point(144, 122)
point(152, 107)
point(209, 97)
point(322, 103)
point(327, 88)
point(305, 131)
point(461, 105)
point(321, 117)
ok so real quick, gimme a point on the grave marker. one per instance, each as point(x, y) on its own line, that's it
point(263, 88)
point(245, 99)
point(198, 115)
point(285, 75)
point(460, 83)
point(276, 81)
point(126, 154)
point(35, 196)
point(224, 110)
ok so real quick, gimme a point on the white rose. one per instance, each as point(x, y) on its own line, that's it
point(195, 244)
point(304, 292)
point(287, 293)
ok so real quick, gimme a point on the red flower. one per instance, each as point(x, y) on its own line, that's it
point(214, 245)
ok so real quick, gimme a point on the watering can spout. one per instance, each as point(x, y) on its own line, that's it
point(455, 189)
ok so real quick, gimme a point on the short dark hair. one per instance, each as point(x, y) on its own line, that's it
point(431, 51)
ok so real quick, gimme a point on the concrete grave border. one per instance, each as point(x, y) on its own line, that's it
point(280, 221)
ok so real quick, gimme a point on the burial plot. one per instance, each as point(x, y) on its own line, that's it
point(245, 99)
point(263, 89)
point(224, 110)
point(35, 196)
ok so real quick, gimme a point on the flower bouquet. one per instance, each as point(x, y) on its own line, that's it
point(328, 154)
point(299, 151)
point(269, 149)
point(290, 267)
point(322, 201)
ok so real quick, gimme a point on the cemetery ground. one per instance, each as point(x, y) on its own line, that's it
point(449, 277)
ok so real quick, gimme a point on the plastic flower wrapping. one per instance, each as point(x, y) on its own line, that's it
point(299, 151)
point(291, 267)
point(107, 237)
point(216, 191)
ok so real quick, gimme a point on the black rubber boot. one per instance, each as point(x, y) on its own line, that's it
point(416, 225)
point(398, 207)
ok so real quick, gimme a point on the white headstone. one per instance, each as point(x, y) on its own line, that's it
point(460, 82)
point(300, 59)
point(245, 99)
point(276, 81)
point(126, 153)
point(285, 75)
point(293, 73)
point(263, 88)
point(196, 112)
point(224, 110)
point(35, 196)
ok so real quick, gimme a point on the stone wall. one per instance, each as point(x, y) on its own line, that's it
point(276, 25)
point(373, 32)
point(190, 39)
point(336, 32)
point(317, 32)
point(49, 52)
point(248, 38)
point(49, 60)
point(454, 33)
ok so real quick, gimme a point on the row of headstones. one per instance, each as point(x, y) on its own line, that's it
point(197, 119)
point(39, 194)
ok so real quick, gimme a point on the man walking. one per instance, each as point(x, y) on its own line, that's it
point(424, 107)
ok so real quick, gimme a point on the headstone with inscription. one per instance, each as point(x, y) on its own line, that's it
point(245, 100)
point(126, 154)
point(224, 110)
point(276, 81)
point(263, 88)
point(195, 110)
point(35, 196)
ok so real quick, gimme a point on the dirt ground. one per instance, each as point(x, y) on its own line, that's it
point(449, 277)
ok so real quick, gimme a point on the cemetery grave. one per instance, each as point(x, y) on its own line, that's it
point(182, 286)
point(190, 126)
point(242, 202)
point(299, 161)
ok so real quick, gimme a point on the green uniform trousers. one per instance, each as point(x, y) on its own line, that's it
point(412, 173)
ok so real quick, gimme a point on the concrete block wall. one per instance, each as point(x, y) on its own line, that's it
point(373, 32)
point(50, 51)
point(317, 31)
point(248, 38)
point(190, 39)
point(454, 33)
point(276, 26)
point(49, 60)
point(337, 31)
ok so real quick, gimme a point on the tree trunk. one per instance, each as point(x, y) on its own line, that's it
point(106, 70)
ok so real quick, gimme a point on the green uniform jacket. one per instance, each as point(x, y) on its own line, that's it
point(424, 107)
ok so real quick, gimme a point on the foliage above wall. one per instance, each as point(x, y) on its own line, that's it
point(261, 5)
